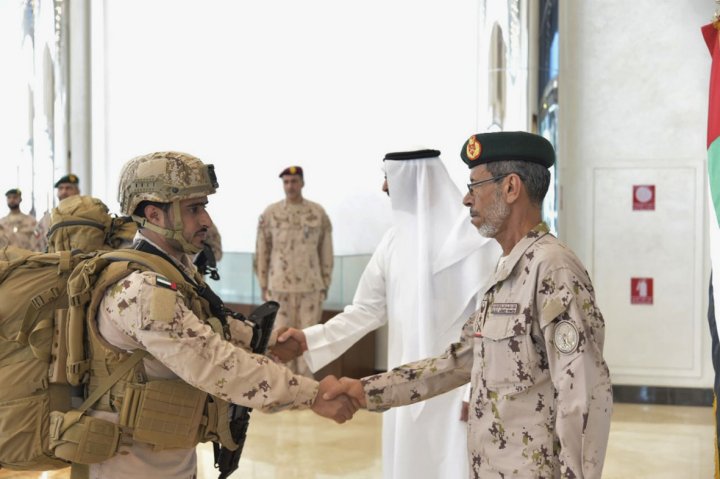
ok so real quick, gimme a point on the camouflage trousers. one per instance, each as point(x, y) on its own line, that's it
point(298, 310)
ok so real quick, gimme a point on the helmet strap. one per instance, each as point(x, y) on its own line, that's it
point(174, 234)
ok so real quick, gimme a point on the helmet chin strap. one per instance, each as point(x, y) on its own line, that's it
point(174, 234)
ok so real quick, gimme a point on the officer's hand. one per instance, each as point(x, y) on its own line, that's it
point(287, 347)
point(265, 295)
point(339, 408)
point(353, 388)
point(464, 411)
point(295, 334)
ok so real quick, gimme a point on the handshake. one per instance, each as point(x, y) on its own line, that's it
point(337, 399)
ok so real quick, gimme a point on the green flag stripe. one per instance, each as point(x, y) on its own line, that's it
point(714, 175)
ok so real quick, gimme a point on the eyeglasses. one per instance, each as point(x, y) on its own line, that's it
point(478, 183)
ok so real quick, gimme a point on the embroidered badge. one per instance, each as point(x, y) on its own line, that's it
point(160, 281)
point(504, 308)
point(566, 337)
point(473, 148)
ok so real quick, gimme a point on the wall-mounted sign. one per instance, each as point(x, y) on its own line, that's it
point(641, 291)
point(643, 197)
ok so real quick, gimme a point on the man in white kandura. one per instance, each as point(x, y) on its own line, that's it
point(430, 266)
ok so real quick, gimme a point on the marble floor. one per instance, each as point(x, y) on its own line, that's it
point(659, 442)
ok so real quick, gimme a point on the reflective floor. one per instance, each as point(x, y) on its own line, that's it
point(645, 442)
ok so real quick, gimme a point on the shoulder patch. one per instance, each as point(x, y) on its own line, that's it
point(566, 337)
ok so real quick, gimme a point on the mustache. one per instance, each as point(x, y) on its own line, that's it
point(204, 229)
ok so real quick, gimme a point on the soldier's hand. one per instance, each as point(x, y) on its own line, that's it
point(353, 388)
point(286, 347)
point(339, 408)
point(265, 295)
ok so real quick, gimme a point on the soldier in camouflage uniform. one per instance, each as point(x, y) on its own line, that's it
point(19, 228)
point(541, 395)
point(167, 193)
point(67, 186)
point(294, 258)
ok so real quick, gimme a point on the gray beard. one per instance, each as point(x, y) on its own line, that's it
point(496, 213)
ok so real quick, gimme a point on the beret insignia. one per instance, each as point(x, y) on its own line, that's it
point(473, 149)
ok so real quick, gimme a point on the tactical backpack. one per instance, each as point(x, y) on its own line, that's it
point(34, 327)
point(84, 223)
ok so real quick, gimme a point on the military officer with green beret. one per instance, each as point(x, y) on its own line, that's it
point(541, 395)
point(19, 228)
point(294, 257)
point(67, 186)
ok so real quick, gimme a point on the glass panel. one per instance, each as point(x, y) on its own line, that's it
point(238, 282)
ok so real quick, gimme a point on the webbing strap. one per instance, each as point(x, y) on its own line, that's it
point(71, 417)
point(223, 427)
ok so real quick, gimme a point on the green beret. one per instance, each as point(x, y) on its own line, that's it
point(506, 146)
point(70, 178)
point(291, 170)
point(412, 155)
point(14, 191)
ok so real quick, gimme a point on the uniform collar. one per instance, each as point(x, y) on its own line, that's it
point(540, 230)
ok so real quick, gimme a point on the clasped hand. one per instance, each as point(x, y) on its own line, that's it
point(339, 399)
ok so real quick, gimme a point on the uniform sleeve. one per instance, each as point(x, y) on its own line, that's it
point(367, 312)
point(263, 248)
point(156, 318)
point(325, 251)
point(573, 329)
point(422, 379)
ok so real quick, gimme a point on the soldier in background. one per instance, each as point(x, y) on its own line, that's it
point(294, 257)
point(18, 227)
point(68, 185)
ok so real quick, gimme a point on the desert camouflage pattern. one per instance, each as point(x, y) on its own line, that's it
point(134, 314)
point(299, 311)
point(19, 229)
point(40, 240)
point(164, 177)
point(541, 396)
point(294, 251)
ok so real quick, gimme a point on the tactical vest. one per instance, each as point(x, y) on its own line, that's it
point(164, 413)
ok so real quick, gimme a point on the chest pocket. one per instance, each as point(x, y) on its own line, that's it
point(509, 359)
point(310, 229)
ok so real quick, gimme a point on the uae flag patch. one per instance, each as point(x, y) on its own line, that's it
point(165, 283)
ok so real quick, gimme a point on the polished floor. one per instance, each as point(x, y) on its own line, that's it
point(659, 442)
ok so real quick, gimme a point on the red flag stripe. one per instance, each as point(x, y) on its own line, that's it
point(711, 38)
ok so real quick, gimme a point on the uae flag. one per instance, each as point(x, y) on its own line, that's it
point(710, 32)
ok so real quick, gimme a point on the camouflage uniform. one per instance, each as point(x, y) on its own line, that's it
point(294, 261)
point(42, 227)
point(19, 229)
point(541, 396)
point(183, 346)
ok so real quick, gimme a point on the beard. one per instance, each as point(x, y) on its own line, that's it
point(495, 215)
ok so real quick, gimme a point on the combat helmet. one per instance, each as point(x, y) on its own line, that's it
point(165, 177)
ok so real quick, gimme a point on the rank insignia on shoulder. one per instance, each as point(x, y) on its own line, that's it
point(165, 283)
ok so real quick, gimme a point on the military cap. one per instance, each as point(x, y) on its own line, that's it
point(291, 170)
point(14, 191)
point(412, 155)
point(69, 178)
point(505, 146)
